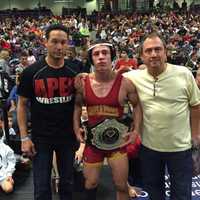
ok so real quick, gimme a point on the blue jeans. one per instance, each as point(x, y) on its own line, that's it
point(42, 166)
point(179, 166)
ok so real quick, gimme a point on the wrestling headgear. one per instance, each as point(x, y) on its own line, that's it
point(101, 43)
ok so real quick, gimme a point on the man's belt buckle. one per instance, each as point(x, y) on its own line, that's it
point(108, 134)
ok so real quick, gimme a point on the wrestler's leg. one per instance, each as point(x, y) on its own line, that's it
point(93, 160)
point(91, 174)
point(119, 166)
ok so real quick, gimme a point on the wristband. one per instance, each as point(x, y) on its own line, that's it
point(25, 138)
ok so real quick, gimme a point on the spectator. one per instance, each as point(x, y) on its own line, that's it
point(4, 57)
point(23, 62)
point(71, 60)
point(83, 28)
point(12, 101)
point(125, 63)
point(83, 57)
point(192, 63)
point(31, 57)
point(4, 44)
point(7, 166)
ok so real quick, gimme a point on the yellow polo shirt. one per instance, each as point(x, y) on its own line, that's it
point(165, 103)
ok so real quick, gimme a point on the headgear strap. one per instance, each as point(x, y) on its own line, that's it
point(100, 44)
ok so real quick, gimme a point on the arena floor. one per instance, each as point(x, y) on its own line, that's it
point(24, 188)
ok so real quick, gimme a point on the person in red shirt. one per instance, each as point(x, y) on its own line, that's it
point(125, 63)
point(4, 44)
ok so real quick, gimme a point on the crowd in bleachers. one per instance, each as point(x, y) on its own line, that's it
point(181, 32)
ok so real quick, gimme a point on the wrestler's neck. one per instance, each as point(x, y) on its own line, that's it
point(104, 76)
point(54, 63)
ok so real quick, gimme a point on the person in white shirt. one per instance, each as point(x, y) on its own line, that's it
point(170, 101)
point(7, 166)
point(31, 57)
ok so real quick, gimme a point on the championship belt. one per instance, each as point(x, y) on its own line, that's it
point(108, 134)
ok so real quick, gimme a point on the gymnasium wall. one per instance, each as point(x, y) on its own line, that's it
point(54, 5)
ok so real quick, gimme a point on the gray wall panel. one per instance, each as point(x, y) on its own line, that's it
point(55, 7)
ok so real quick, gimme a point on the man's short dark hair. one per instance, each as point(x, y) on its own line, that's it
point(56, 27)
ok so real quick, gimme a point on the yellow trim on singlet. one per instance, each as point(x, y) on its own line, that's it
point(117, 155)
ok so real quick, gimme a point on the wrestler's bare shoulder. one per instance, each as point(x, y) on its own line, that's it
point(79, 80)
point(127, 84)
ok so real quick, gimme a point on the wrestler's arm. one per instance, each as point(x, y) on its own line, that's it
point(79, 102)
point(138, 117)
point(133, 98)
point(79, 152)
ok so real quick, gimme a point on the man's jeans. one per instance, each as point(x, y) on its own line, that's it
point(42, 166)
point(179, 166)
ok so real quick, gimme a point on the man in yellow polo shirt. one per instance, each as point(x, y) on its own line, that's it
point(170, 101)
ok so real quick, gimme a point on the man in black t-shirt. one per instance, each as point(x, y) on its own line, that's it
point(49, 85)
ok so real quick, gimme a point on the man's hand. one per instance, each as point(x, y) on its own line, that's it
point(28, 148)
point(79, 152)
point(196, 140)
point(79, 156)
point(80, 135)
point(129, 138)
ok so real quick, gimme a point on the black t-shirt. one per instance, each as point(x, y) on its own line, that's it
point(75, 65)
point(51, 92)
